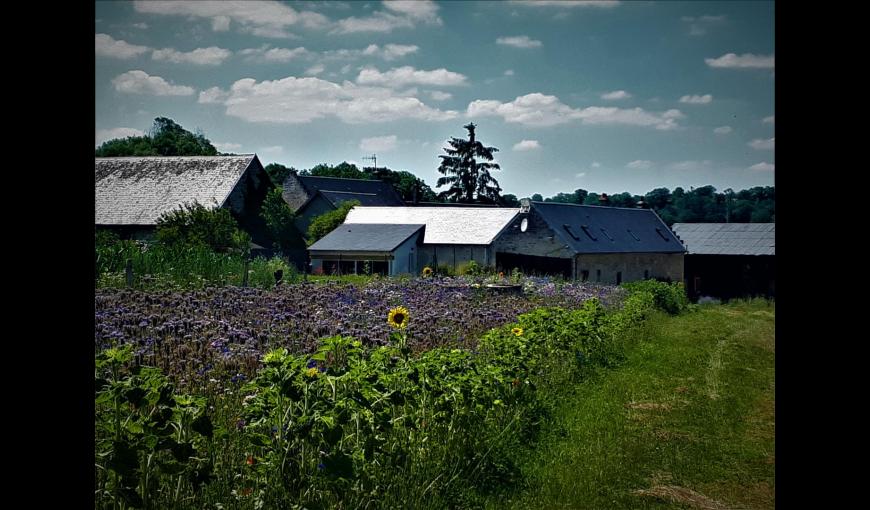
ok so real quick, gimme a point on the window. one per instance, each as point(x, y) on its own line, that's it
point(598, 275)
point(646, 274)
point(618, 277)
point(568, 229)
point(588, 232)
point(632, 235)
point(584, 275)
point(662, 234)
point(606, 234)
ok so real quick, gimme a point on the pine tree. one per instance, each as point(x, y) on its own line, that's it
point(469, 180)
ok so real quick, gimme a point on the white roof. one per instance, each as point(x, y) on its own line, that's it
point(444, 225)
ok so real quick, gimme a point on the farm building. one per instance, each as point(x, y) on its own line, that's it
point(374, 248)
point(312, 196)
point(727, 260)
point(452, 237)
point(133, 192)
point(590, 243)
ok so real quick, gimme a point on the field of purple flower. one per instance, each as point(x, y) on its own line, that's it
point(221, 333)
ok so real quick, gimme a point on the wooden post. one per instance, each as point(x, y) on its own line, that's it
point(245, 275)
point(129, 272)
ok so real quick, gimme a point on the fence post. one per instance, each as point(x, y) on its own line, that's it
point(129, 271)
point(245, 275)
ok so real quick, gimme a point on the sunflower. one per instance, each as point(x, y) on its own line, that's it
point(427, 271)
point(398, 317)
point(517, 331)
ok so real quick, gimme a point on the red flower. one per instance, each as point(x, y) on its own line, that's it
point(250, 461)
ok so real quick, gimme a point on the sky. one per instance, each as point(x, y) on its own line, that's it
point(606, 96)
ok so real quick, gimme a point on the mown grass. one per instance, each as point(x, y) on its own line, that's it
point(687, 421)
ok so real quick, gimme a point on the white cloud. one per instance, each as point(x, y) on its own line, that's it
point(227, 147)
point(616, 94)
point(272, 149)
point(211, 56)
point(267, 19)
point(519, 41)
point(761, 145)
point(141, 26)
point(762, 167)
point(526, 145)
point(437, 95)
point(106, 46)
point(378, 143)
point(388, 52)
point(699, 25)
point(604, 4)
point(405, 14)
point(212, 95)
point(406, 75)
point(581, 174)
point(537, 109)
point(746, 61)
point(423, 10)
point(723, 130)
point(691, 165)
point(596, 164)
point(705, 99)
point(220, 23)
point(266, 54)
point(509, 72)
point(104, 135)
point(300, 100)
point(640, 164)
point(315, 70)
point(139, 82)
point(768, 120)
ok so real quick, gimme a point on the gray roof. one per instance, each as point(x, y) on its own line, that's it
point(599, 229)
point(365, 237)
point(728, 238)
point(136, 191)
point(337, 190)
point(444, 225)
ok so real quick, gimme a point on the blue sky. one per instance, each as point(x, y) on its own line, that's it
point(604, 96)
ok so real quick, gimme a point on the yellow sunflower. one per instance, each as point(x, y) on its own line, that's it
point(517, 331)
point(427, 271)
point(399, 317)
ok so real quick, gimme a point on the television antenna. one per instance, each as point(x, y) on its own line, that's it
point(374, 159)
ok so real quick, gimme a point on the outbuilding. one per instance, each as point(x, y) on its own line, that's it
point(368, 249)
point(729, 260)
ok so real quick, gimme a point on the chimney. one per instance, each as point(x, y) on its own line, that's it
point(603, 200)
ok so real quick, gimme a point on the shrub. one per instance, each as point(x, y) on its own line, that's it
point(669, 297)
point(197, 225)
point(327, 222)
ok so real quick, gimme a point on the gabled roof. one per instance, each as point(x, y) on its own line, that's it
point(365, 238)
point(337, 190)
point(598, 229)
point(136, 191)
point(728, 238)
point(444, 225)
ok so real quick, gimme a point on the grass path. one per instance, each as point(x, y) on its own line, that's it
point(688, 421)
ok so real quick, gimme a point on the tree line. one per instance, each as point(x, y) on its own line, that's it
point(466, 168)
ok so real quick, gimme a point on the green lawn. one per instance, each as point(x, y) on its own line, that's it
point(688, 421)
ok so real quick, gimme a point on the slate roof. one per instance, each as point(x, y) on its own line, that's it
point(365, 237)
point(599, 229)
point(728, 238)
point(136, 191)
point(444, 225)
point(337, 190)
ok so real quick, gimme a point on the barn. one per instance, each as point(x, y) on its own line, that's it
point(729, 260)
point(132, 193)
point(590, 243)
point(453, 235)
